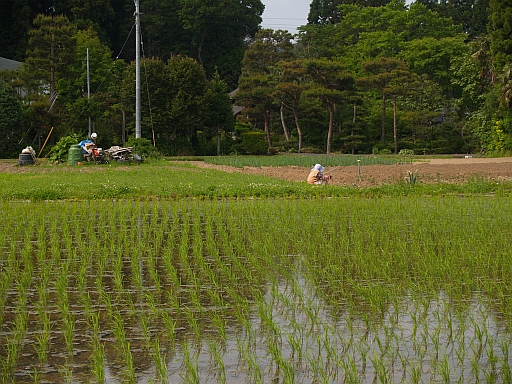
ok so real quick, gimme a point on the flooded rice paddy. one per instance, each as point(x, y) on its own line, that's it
point(257, 291)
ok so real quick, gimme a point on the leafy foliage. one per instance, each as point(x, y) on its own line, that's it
point(254, 143)
point(59, 152)
point(143, 147)
point(11, 122)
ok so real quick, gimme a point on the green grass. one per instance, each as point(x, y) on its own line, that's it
point(306, 160)
point(171, 180)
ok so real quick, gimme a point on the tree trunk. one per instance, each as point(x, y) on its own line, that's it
point(267, 127)
point(331, 123)
point(52, 69)
point(218, 141)
point(353, 125)
point(286, 134)
point(123, 129)
point(383, 134)
point(299, 132)
point(200, 49)
point(394, 123)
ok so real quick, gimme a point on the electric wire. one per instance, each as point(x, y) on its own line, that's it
point(147, 84)
point(103, 80)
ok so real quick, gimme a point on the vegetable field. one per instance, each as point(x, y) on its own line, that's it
point(385, 290)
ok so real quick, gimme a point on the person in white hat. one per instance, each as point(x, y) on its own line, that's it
point(316, 175)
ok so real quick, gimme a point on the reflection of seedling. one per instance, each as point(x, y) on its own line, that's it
point(412, 177)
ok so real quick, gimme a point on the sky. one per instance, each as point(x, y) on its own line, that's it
point(285, 14)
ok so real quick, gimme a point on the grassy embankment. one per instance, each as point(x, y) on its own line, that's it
point(170, 180)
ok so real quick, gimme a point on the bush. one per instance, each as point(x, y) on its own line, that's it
point(254, 143)
point(143, 147)
point(59, 152)
point(406, 152)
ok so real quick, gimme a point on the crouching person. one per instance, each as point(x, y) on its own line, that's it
point(316, 175)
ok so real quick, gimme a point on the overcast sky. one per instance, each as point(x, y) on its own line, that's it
point(285, 14)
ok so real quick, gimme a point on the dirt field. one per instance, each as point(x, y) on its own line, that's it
point(450, 170)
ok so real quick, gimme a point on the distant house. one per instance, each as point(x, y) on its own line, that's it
point(9, 65)
point(236, 108)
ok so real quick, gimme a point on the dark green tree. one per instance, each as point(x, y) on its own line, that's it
point(11, 122)
point(291, 85)
point(500, 31)
point(154, 98)
point(257, 81)
point(89, 97)
point(471, 15)
point(173, 102)
point(324, 12)
point(332, 85)
point(51, 50)
point(219, 117)
point(379, 74)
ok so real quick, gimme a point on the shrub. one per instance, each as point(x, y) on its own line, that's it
point(254, 143)
point(406, 152)
point(143, 147)
point(60, 151)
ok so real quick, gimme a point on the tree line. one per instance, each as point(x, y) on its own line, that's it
point(427, 78)
point(360, 77)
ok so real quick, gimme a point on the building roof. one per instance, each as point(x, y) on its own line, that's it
point(8, 64)
point(233, 93)
point(237, 109)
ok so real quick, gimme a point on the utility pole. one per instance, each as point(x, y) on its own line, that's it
point(137, 71)
point(88, 93)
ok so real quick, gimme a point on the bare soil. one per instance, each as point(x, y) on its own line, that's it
point(446, 170)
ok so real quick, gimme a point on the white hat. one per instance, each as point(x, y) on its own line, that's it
point(319, 167)
point(94, 135)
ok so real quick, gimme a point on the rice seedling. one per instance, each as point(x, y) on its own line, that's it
point(323, 290)
point(43, 339)
point(191, 374)
point(159, 359)
point(98, 359)
point(217, 361)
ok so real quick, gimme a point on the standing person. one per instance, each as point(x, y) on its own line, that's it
point(316, 175)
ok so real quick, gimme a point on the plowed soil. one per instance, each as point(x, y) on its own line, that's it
point(446, 170)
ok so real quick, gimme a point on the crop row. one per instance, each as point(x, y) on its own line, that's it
point(306, 160)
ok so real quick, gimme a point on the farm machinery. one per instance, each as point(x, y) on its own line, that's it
point(115, 153)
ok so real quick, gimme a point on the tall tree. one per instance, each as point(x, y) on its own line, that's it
point(471, 15)
point(402, 83)
point(257, 81)
point(500, 31)
point(173, 101)
point(291, 85)
point(51, 50)
point(379, 74)
point(219, 31)
point(324, 12)
point(219, 111)
point(11, 122)
point(82, 93)
point(154, 98)
point(332, 85)
point(434, 57)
